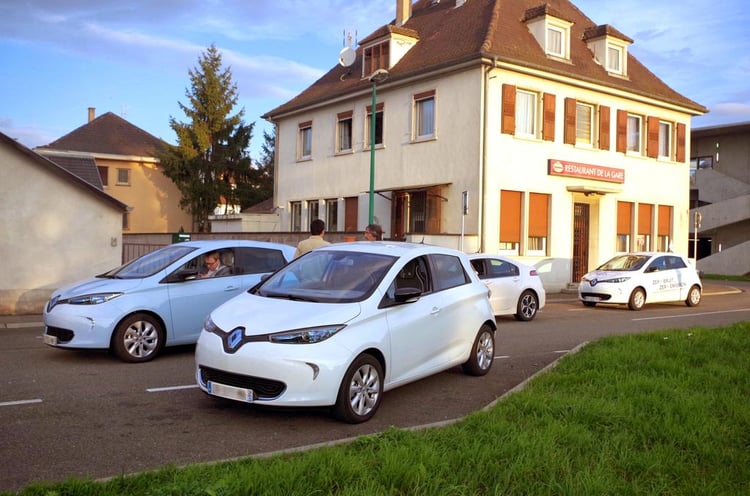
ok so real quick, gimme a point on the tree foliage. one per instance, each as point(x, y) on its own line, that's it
point(211, 164)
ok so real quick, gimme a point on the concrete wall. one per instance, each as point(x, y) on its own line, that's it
point(53, 232)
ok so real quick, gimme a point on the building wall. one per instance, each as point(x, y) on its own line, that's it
point(470, 153)
point(153, 197)
point(53, 233)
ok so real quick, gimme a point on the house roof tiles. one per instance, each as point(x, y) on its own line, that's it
point(109, 134)
point(483, 31)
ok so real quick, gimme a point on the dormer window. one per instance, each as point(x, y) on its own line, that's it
point(615, 62)
point(375, 57)
point(551, 31)
point(610, 48)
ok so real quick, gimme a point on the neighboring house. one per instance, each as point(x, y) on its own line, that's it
point(56, 228)
point(565, 147)
point(121, 159)
point(720, 195)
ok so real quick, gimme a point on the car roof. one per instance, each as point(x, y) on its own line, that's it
point(393, 248)
point(226, 243)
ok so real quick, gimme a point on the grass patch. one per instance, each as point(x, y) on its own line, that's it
point(720, 277)
point(664, 413)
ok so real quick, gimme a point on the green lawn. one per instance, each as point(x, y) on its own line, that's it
point(663, 413)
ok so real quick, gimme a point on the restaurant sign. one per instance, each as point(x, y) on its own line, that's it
point(586, 171)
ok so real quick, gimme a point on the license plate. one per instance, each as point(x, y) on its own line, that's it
point(231, 392)
point(50, 340)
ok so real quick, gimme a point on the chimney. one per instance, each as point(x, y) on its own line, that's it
point(92, 113)
point(403, 11)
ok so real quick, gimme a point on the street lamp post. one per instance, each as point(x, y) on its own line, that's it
point(377, 77)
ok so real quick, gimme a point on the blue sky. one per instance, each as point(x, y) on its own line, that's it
point(60, 57)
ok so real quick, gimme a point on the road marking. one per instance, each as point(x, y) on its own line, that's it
point(502, 357)
point(20, 402)
point(694, 314)
point(170, 388)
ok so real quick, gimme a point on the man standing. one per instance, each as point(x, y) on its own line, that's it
point(317, 231)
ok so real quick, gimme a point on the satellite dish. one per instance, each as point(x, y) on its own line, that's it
point(347, 56)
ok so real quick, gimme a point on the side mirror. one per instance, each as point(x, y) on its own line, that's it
point(407, 295)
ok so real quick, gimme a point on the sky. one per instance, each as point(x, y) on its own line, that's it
point(60, 57)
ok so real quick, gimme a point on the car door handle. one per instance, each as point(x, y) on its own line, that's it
point(434, 311)
point(231, 288)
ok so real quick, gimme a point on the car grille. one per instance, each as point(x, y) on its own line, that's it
point(62, 335)
point(601, 296)
point(265, 389)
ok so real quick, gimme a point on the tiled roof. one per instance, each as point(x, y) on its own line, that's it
point(486, 30)
point(83, 166)
point(109, 134)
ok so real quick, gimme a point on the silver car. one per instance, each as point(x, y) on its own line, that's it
point(157, 300)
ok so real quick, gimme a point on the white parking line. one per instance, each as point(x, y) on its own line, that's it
point(694, 314)
point(20, 402)
point(170, 388)
point(502, 357)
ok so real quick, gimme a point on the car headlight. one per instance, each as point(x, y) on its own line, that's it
point(616, 280)
point(210, 326)
point(91, 299)
point(308, 335)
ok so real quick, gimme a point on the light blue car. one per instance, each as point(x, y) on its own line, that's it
point(157, 300)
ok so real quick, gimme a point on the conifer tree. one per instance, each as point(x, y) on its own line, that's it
point(210, 164)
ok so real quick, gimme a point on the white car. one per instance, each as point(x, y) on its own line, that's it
point(158, 299)
point(345, 323)
point(515, 288)
point(635, 279)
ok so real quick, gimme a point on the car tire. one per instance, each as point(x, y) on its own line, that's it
point(589, 303)
point(637, 299)
point(361, 390)
point(693, 296)
point(138, 338)
point(527, 306)
point(482, 352)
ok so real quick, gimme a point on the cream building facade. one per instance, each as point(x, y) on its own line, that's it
point(511, 127)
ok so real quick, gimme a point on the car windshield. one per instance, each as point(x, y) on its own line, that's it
point(150, 263)
point(328, 276)
point(625, 262)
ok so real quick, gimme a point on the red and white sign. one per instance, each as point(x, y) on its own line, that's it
point(586, 171)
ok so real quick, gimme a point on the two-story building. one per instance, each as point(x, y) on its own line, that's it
point(506, 126)
point(122, 160)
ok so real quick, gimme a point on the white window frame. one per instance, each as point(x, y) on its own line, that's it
point(424, 123)
point(123, 181)
point(665, 140)
point(341, 124)
point(615, 59)
point(527, 113)
point(304, 142)
point(634, 134)
point(582, 140)
point(555, 34)
point(368, 122)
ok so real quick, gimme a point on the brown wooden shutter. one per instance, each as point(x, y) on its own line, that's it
point(644, 218)
point(604, 128)
point(538, 214)
point(434, 203)
point(665, 220)
point(680, 142)
point(510, 216)
point(652, 137)
point(622, 132)
point(548, 123)
point(624, 217)
point(569, 136)
point(351, 208)
point(508, 114)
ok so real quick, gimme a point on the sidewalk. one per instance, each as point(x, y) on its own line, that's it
point(710, 288)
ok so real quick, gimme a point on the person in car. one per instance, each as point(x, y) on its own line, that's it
point(213, 266)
